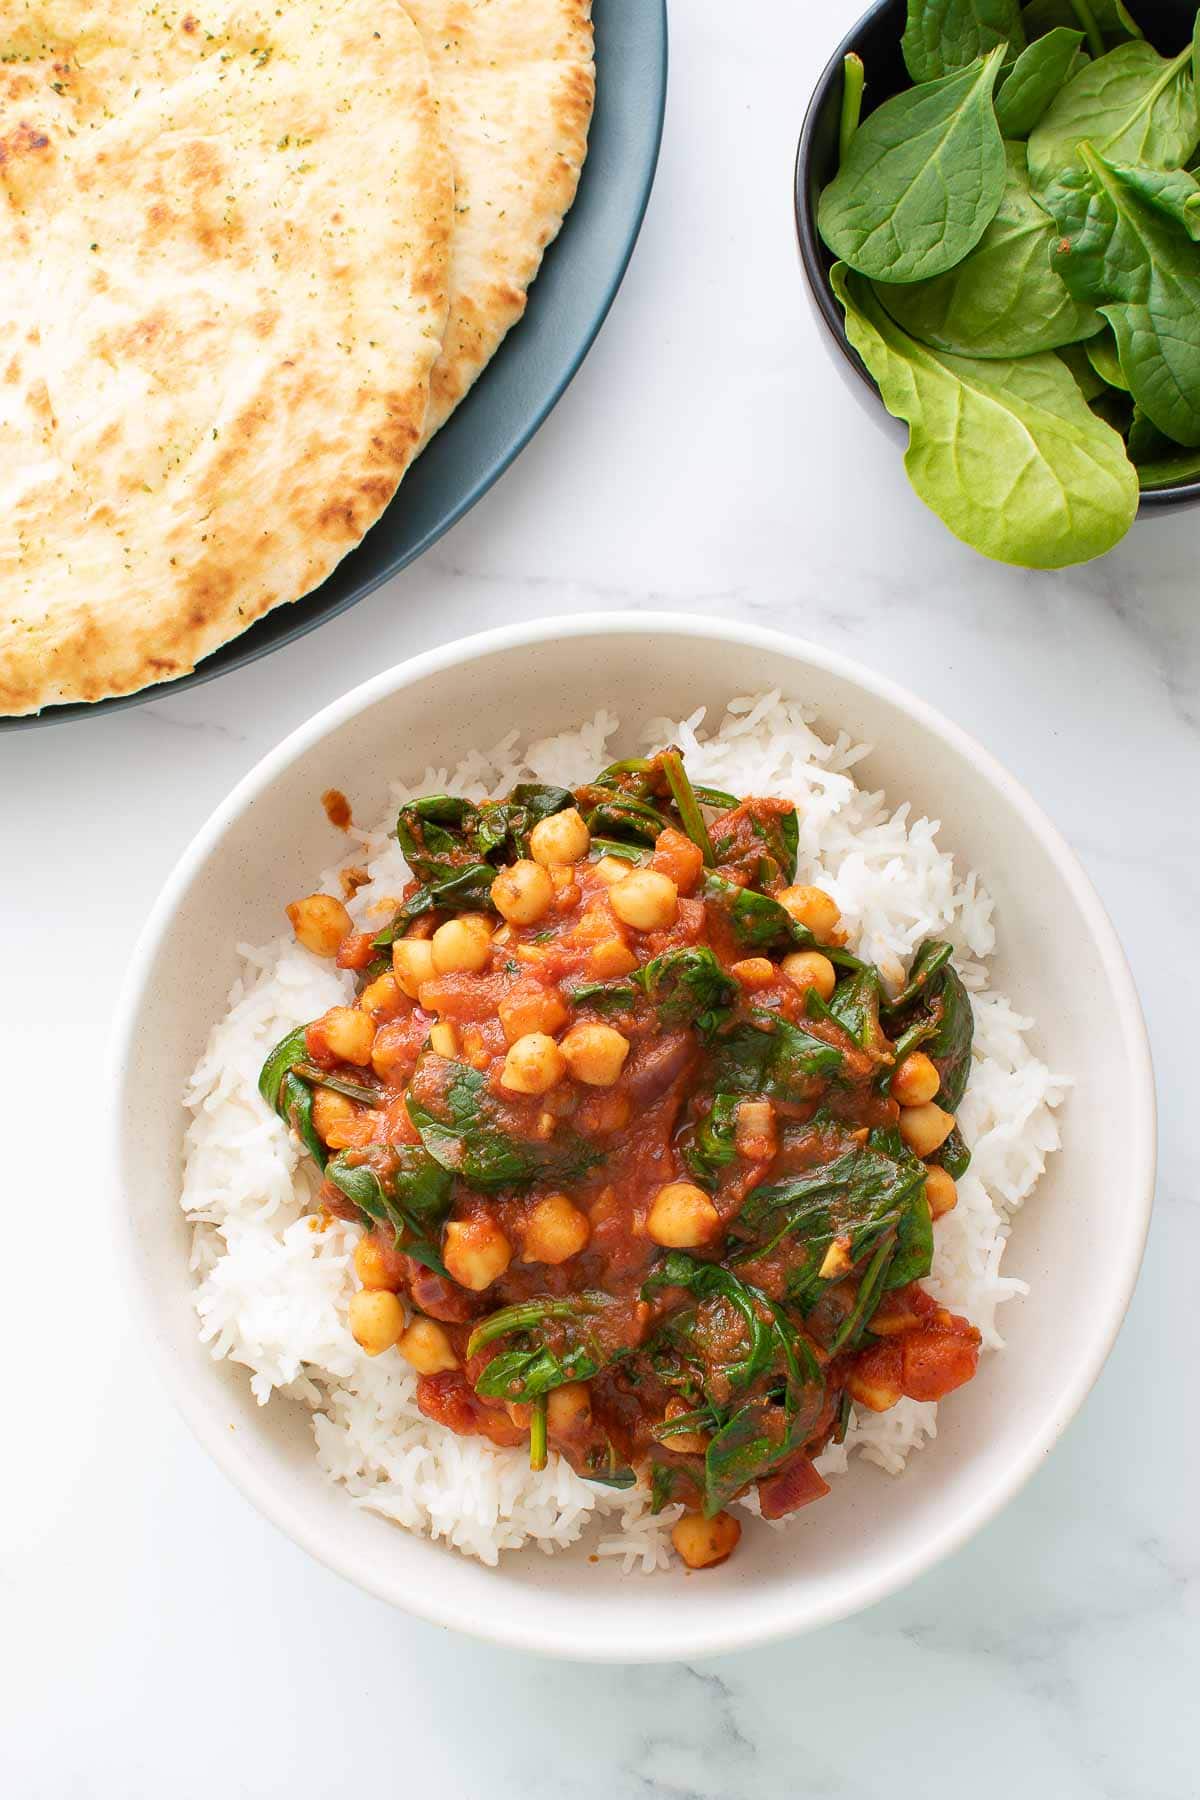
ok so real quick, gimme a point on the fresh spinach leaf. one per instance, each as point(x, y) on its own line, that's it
point(944, 35)
point(1132, 106)
point(1167, 471)
point(1109, 20)
point(1008, 454)
point(1125, 255)
point(923, 179)
point(1038, 75)
point(1090, 384)
point(1004, 299)
point(1105, 359)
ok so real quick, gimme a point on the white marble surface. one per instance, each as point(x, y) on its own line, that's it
point(704, 460)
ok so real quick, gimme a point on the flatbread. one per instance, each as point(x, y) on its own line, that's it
point(516, 84)
point(224, 242)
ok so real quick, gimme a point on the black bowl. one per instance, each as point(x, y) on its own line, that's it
point(876, 38)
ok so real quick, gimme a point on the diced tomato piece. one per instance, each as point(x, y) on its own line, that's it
point(793, 1485)
point(875, 1381)
point(936, 1362)
point(676, 855)
point(357, 950)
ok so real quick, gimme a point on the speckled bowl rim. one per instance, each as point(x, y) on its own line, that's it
point(741, 1629)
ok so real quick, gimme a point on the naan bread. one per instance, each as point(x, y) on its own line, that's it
point(516, 84)
point(224, 242)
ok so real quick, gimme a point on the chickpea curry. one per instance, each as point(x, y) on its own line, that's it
point(649, 1161)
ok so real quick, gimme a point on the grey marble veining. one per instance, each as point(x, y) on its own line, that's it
point(159, 1637)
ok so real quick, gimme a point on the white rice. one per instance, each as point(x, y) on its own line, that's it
point(273, 1289)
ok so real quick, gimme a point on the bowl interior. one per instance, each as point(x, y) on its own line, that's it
point(1078, 1242)
point(876, 39)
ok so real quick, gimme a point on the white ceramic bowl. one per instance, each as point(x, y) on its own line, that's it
point(1079, 1241)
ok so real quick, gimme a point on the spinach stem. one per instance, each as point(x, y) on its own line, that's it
point(338, 1084)
point(868, 1288)
point(853, 83)
point(537, 1434)
point(1087, 19)
point(687, 805)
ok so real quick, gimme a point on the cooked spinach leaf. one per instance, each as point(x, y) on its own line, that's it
point(922, 180)
point(688, 986)
point(287, 1094)
point(287, 1053)
point(936, 1007)
point(708, 1146)
point(400, 1186)
point(772, 1059)
point(454, 1111)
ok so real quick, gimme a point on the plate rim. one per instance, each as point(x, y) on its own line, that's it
point(77, 711)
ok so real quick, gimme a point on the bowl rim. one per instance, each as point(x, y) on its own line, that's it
point(511, 1628)
point(813, 254)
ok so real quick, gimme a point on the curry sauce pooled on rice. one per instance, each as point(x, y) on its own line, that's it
point(635, 1151)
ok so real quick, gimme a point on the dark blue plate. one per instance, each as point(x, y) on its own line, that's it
point(567, 306)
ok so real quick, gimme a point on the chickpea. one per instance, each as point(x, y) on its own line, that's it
point(813, 907)
point(567, 1406)
point(612, 869)
point(915, 1081)
point(754, 971)
point(462, 946)
point(940, 1191)
point(376, 1319)
point(688, 1443)
point(554, 1231)
point(443, 1038)
point(702, 1543)
point(331, 1113)
point(412, 961)
point(320, 923)
point(522, 893)
point(612, 957)
point(562, 838)
point(646, 900)
point(682, 1217)
point(382, 998)
point(375, 1266)
point(426, 1346)
point(349, 1034)
point(530, 1007)
point(925, 1128)
point(808, 968)
point(595, 1054)
point(476, 1252)
point(754, 1133)
point(534, 1065)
